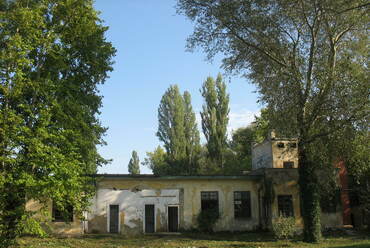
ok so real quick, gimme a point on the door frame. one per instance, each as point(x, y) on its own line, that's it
point(155, 223)
point(178, 216)
point(108, 218)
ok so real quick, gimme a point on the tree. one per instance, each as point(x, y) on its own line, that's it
point(192, 140)
point(134, 164)
point(53, 54)
point(157, 162)
point(215, 117)
point(309, 60)
point(178, 131)
point(171, 127)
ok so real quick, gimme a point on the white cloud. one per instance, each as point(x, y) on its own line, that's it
point(240, 118)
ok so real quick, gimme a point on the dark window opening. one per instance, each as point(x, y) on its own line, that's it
point(280, 145)
point(242, 204)
point(285, 205)
point(329, 202)
point(293, 145)
point(60, 215)
point(209, 200)
point(288, 164)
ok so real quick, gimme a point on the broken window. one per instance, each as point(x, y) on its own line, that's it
point(285, 205)
point(280, 145)
point(60, 215)
point(242, 204)
point(209, 200)
point(293, 145)
point(288, 164)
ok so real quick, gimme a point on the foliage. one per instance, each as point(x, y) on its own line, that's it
point(207, 219)
point(134, 164)
point(32, 226)
point(283, 227)
point(177, 129)
point(53, 55)
point(309, 60)
point(157, 162)
point(192, 140)
point(215, 117)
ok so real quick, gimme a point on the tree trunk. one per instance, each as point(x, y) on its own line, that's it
point(310, 198)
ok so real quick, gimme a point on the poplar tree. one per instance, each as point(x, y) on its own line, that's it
point(192, 140)
point(53, 55)
point(215, 117)
point(171, 126)
point(310, 62)
point(134, 164)
point(177, 129)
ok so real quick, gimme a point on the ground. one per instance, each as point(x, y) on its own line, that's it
point(224, 240)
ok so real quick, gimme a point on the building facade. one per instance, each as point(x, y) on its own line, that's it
point(139, 204)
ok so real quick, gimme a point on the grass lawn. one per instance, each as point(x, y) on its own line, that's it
point(227, 240)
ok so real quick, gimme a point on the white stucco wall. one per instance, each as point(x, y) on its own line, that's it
point(132, 205)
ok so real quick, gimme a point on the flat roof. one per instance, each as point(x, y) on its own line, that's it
point(154, 177)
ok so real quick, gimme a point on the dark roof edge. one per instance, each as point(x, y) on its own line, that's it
point(154, 177)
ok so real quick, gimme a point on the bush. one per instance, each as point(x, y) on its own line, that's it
point(207, 219)
point(283, 227)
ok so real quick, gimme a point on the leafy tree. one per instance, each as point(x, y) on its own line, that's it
point(215, 117)
point(134, 164)
point(178, 131)
point(53, 55)
point(309, 60)
point(157, 162)
point(241, 145)
point(192, 140)
point(171, 126)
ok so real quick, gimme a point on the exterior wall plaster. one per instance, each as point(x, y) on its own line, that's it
point(162, 193)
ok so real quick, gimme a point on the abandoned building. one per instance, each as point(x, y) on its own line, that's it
point(137, 204)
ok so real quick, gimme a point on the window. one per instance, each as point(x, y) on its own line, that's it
point(280, 145)
point(293, 145)
point(288, 164)
point(242, 204)
point(62, 216)
point(285, 205)
point(209, 200)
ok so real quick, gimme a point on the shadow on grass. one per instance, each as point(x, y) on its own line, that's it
point(352, 246)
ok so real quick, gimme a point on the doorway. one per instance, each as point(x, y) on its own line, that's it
point(113, 218)
point(173, 218)
point(149, 219)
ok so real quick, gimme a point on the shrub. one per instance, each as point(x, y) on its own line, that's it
point(283, 227)
point(207, 219)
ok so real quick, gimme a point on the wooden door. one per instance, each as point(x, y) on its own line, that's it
point(113, 218)
point(173, 218)
point(149, 219)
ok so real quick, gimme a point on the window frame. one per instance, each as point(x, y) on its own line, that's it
point(282, 205)
point(209, 195)
point(59, 216)
point(288, 162)
point(246, 211)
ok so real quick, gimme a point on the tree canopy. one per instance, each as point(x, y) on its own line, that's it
point(177, 129)
point(215, 117)
point(53, 55)
point(134, 164)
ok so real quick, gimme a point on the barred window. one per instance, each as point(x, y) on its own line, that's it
point(209, 200)
point(62, 216)
point(288, 164)
point(242, 204)
point(285, 205)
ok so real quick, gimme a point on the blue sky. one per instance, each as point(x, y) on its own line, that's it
point(150, 39)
